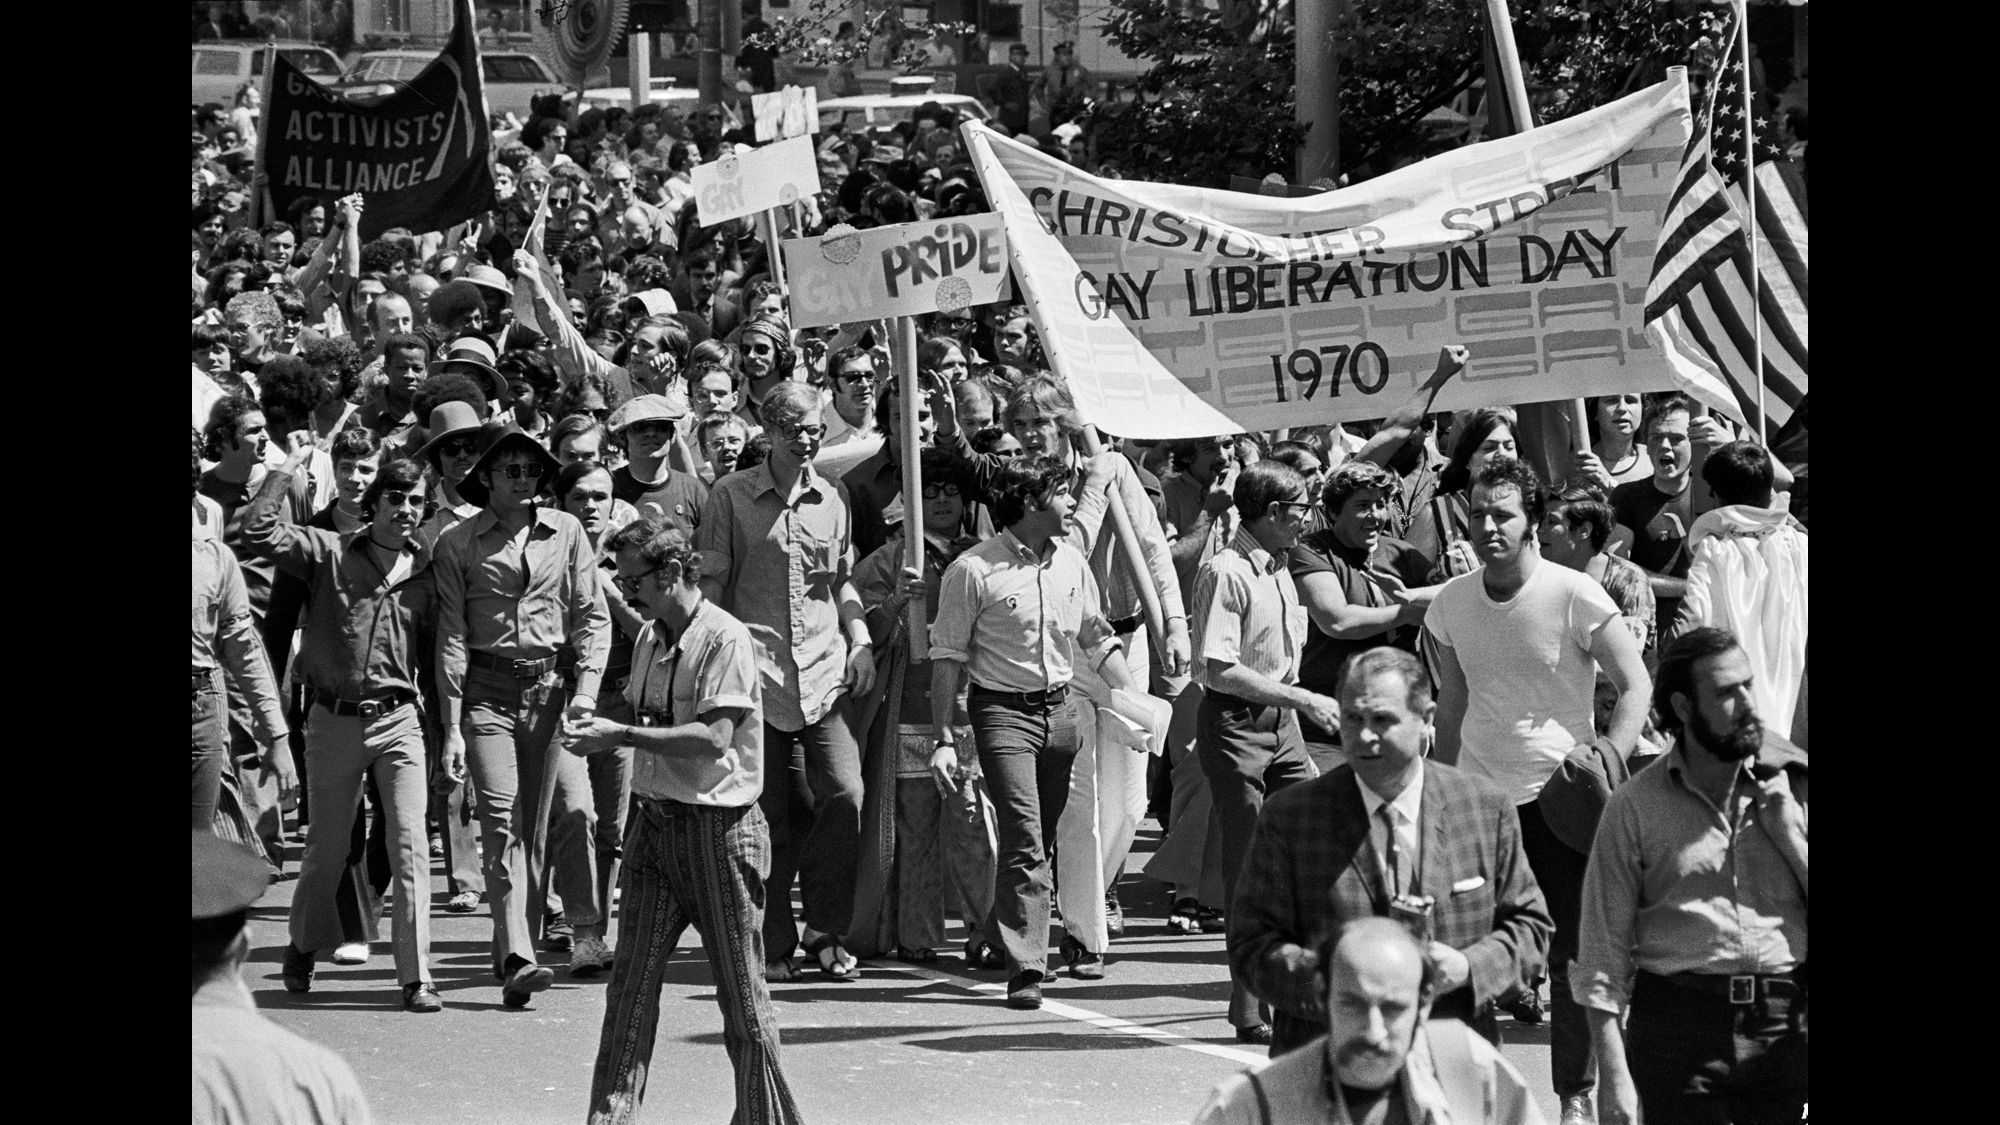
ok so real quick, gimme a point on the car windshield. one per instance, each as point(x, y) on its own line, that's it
point(512, 68)
point(319, 64)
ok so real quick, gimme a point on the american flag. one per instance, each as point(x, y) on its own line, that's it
point(1698, 305)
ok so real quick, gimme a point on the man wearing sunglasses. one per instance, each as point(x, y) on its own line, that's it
point(367, 631)
point(776, 554)
point(700, 844)
point(646, 481)
point(1248, 633)
point(851, 434)
point(515, 583)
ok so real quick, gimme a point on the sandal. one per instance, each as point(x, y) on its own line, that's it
point(1185, 919)
point(981, 956)
point(832, 955)
point(783, 971)
point(922, 956)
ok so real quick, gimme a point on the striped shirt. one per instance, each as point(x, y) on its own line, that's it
point(1016, 620)
point(1247, 611)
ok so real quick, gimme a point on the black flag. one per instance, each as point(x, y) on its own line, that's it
point(418, 157)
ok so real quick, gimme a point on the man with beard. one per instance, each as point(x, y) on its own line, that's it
point(1695, 910)
point(1514, 643)
point(1383, 1059)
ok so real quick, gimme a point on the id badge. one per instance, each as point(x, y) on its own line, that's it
point(1414, 912)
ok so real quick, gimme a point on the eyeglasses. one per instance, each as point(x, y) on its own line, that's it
point(796, 431)
point(864, 376)
point(933, 491)
point(1293, 507)
point(628, 584)
point(532, 470)
point(459, 447)
point(396, 498)
point(621, 183)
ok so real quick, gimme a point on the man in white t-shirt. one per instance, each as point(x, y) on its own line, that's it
point(1515, 645)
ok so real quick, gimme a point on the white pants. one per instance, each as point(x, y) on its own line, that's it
point(1107, 799)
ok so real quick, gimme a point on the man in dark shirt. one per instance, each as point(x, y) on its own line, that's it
point(1012, 91)
point(646, 481)
point(1658, 511)
point(1354, 581)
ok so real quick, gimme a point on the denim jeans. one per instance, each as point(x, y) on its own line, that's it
point(510, 747)
point(211, 757)
point(345, 750)
point(705, 866)
point(812, 801)
point(1698, 1060)
point(1026, 752)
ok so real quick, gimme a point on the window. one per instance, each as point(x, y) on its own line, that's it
point(319, 64)
point(513, 68)
point(215, 62)
point(391, 68)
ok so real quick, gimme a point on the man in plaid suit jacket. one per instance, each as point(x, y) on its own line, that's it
point(1323, 852)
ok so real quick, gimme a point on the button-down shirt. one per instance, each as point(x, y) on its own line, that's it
point(845, 446)
point(1247, 611)
point(247, 1068)
point(1405, 808)
point(711, 666)
point(367, 630)
point(1676, 884)
point(519, 596)
point(226, 636)
point(781, 563)
point(1018, 620)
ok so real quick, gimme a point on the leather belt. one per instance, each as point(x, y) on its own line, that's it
point(368, 708)
point(1742, 988)
point(1126, 626)
point(1049, 697)
point(519, 669)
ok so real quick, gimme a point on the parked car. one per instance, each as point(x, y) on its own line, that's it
point(881, 111)
point(665, 91)
point(220, 66)
point(512, 77)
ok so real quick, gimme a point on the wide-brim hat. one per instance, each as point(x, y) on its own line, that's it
point(486, 277)
point(476, 358)
point(510, 438)
point(448, 420)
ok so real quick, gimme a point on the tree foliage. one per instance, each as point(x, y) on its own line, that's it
point(810, 37)
point(1219, 96)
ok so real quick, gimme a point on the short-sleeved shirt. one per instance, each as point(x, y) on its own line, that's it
point(1013, 618)
point(711, 666)
point(781, 563)
point(1633, 595)
point(1246, 611)
point(247, 1068)
point(1322, 553)
point(1659, 524)
point(1529, 675)
point(678, 499)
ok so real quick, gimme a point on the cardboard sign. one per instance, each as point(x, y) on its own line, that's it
point(739, 184)
point(791, 112)
point(943, 265)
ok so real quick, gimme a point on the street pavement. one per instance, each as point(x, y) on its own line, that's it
point(904, 1043)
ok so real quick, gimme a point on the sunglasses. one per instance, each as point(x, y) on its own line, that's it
point(795, 432)
point(531, 470)
point(628, 584)
point(933, 491)
point(459, 447)
point(396, 498)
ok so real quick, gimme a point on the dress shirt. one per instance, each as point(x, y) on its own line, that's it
point(366, 630)
point(1247, 611)
point(1675, 885)
point(1406, 808)
point(225, 635)
point(710, 667)
point(234, 500)
point(781, 563)
point(1016, 619)
point(519, 596)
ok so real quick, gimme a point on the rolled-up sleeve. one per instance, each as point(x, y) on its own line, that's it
point(958, 608)
point(728, 678)
point(589, 614)
point(1220, 600)
point(1601, 976)
point(448, 566)
point(242, 653)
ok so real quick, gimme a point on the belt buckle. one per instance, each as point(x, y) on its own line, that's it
point(524, 668)
point(369, 709)
point(1743, 990)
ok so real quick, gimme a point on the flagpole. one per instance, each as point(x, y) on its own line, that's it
point(1502, 22)
point(260, 176)
point(1750, 211)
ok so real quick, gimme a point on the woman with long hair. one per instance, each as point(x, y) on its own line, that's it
point(1482, 436)
point(1616, 453)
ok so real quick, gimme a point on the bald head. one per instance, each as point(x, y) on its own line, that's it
point(1378, 989)
point(391, 314)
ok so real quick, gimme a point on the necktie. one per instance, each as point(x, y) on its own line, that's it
point(1392, 854)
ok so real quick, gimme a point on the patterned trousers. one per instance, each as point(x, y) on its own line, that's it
point(706, 866)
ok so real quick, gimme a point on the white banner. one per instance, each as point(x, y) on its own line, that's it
point(739, 184)
point(1178, 312)
point(791, 112)
point(944, 265)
